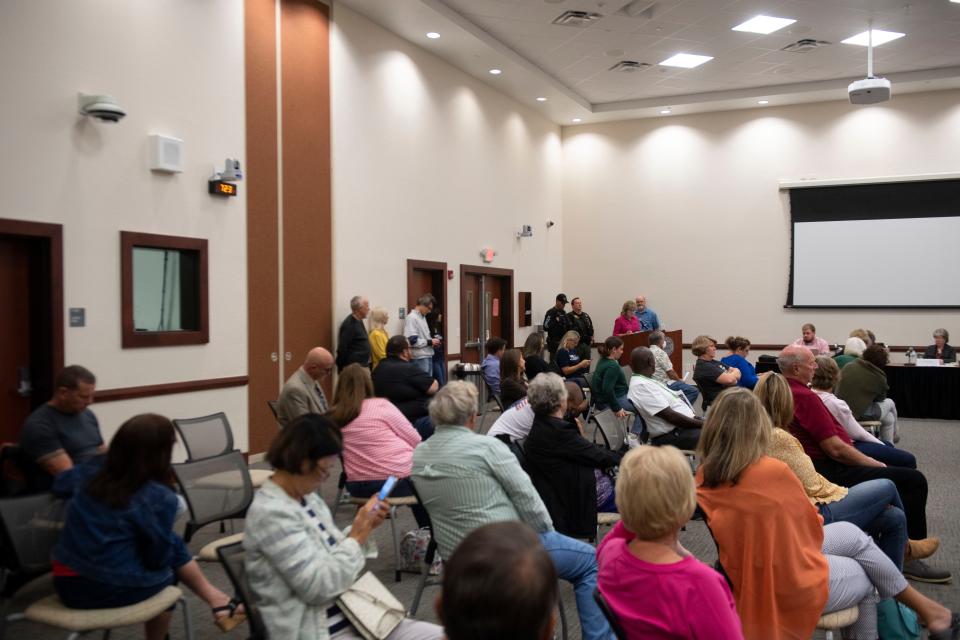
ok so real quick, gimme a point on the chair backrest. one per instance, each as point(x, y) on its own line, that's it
point(29, 528)
point(273, 409)
point(644, 432)
point(610, 428)
point(215, 488)
point(232, 557)
point(492, 395)
point(588, 378)
point(627, 371)
point(205, 436)
point(608, 613)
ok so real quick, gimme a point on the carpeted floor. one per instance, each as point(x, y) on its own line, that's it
point(935, 443)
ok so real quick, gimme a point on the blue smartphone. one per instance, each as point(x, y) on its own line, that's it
point(386, 489)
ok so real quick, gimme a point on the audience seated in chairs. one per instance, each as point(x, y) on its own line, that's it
point(656, 588)
point(739, 350)
point(852, 350)
point(533, 355)
point(513, 387)
point(378, 441)
point(711, 375)
point(664, 372)
point(571, 365)
point(405, 384)
point(761, 517)
point(118, 546)
point(494, 348)
point(824, 380)
point(561, 462)
point(836, 459)
point(499, 583)
point(466, 480)
point(874, 506)
point(301, 392)
point(298, 562)
point(863, 386)
point(670, 418)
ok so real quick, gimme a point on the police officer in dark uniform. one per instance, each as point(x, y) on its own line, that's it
point(556, 323)
point(582, 324)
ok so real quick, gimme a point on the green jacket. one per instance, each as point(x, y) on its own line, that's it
point(861, 384)
point(609, 383)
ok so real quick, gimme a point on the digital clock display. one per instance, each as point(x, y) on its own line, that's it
point(221, 188)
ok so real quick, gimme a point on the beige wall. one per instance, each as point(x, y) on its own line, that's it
point(687, 210)
point(430, 164)
point(176, 67)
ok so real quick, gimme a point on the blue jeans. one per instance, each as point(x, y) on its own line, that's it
point(875, 507)
point(688, 390)
point(887, 454)
point(576, 562)
point(426, 364)
point(424, 427)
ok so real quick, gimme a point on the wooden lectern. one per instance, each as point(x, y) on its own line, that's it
point(633, 340)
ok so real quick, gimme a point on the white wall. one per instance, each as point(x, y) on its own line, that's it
point(177, 68)
point(687, 211)
point(430, 164)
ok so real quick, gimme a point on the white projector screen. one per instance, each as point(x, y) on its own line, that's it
point(901, 262)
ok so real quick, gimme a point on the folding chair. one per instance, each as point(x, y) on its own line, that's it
point(611, 430)
point(394, 504)
point(210, 436)
point(232, 558)
point(592, 405)
point(216, 489)
point(488, 396)
point(608, 613)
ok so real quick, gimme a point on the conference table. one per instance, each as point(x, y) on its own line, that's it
point(920, 392)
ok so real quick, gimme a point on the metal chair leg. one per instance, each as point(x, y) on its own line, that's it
point(187, 625)
point(396, 543)
point(421, 585)
point(563, 618)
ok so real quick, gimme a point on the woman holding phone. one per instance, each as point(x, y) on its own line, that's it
point(298, 562)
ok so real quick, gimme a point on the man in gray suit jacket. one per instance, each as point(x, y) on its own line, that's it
point(302, 393)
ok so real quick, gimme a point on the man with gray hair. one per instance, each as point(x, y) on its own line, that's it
point(466, 480)
point(664, 372)
point(353, 345)
point(417, 331)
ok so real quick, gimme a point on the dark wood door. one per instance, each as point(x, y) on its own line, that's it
point(471, 300)
point(15, 337)
point(486, 309)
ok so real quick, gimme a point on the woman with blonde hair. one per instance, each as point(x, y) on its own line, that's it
point(378, 335)
point(378, 441)
point(568, 360)
point(761, 517)
point(656, 588)
point(627, 322)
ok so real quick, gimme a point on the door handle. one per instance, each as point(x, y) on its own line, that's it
point(24, 386)
point(473, 344)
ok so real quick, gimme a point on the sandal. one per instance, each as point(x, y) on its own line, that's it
point(233, 617)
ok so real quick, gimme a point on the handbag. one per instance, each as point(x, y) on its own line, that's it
point(896, 621)
point(371, 608)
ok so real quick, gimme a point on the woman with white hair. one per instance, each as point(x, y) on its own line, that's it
point(561, 462)
point(940, 350)
point(852, 349)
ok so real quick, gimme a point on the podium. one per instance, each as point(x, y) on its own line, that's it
point(675, 338)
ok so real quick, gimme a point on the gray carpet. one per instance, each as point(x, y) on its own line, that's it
point(935, 443)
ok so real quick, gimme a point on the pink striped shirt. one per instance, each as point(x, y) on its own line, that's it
point(379, 442)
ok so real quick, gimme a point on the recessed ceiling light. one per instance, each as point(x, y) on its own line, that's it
point(879, 37)
point(685, 60)
point(763, 24)
point(495, 72)
point(665, 112)
point(433, 35)
point(763, 102)
point(541, 99)
point(576, 120)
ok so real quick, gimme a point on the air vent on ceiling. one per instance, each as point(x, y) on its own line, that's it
point(629, 66)
point(576, 18)
point(805, 45)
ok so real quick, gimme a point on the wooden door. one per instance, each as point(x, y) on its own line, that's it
point(15, 337)
point(486, 309)
point(471, 297)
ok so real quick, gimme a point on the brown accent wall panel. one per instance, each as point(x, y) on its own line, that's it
point(261, 185)
point(307, 250)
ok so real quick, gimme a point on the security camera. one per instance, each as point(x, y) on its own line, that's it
point(101, 107)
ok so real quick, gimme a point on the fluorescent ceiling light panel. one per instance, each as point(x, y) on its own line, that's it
point(879, 37)
point(685, 60)
point(763, 24)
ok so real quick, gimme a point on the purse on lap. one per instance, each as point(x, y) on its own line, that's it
point(370, 607)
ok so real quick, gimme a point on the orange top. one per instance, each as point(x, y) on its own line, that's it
point(770, 539)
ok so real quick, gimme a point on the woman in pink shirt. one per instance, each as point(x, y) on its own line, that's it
point(378, 441)
point(626, 322)
point(652, 584)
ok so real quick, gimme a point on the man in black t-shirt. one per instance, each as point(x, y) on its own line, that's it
point(405, 385)
point(555, 323)
point(62, 432)
point(582, 324)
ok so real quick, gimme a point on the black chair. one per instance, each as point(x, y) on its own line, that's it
point(488, 396)
point(232, 558)
point(273, 409)
point(609, 615)
point(206, 436)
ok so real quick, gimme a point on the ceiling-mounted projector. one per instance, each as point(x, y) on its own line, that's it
point(869, 91)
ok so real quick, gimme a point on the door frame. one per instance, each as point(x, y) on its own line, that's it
point(429, 265)
point(53, 234)
point(506, 300)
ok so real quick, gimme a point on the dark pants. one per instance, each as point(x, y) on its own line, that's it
point(887, 454)
point(424, 426)
point(911, 485)
point(78, 592)
point(366, 488)
point(679, 438)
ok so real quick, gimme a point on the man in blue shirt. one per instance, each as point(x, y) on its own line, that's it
point(491, 364)
point(647, 317)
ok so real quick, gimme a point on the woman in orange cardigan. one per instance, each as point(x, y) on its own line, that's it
point(786, 568)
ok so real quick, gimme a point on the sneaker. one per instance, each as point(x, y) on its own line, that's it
point(920, 549)
point(950, 633)
point(922, 572)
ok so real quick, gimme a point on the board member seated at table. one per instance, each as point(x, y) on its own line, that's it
point(940, 349)
point(852, 349)
point(811, 341)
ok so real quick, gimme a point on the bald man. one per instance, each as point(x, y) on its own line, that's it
point(302, 393)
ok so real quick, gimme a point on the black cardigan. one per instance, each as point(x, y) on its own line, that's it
point(949, 353)
point(561, 463)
